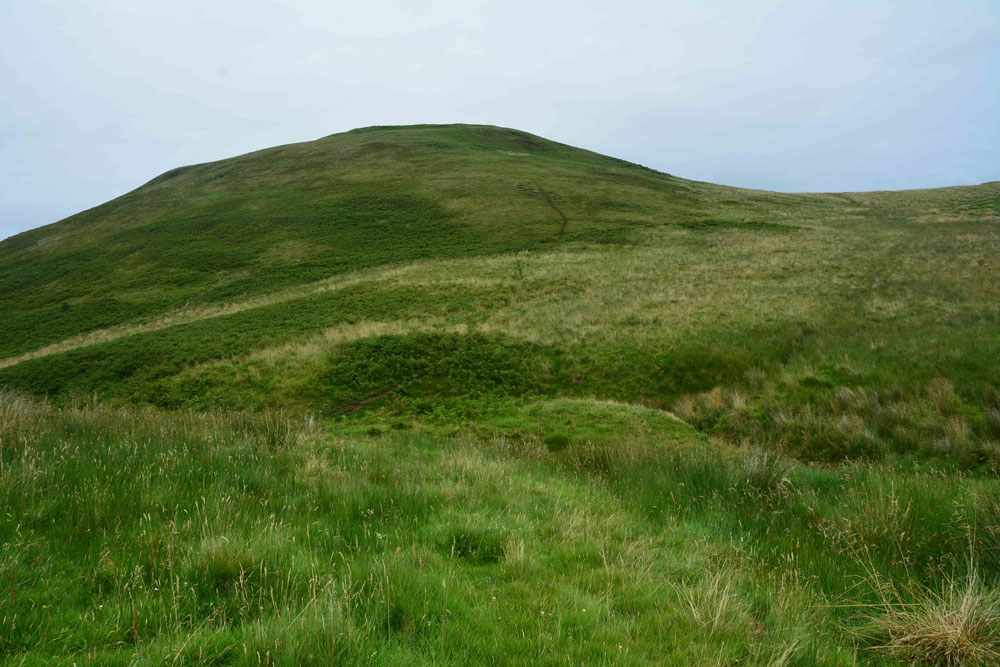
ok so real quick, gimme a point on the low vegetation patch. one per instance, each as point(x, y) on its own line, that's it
point(713, 225)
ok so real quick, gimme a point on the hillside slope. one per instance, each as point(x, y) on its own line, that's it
point(440, 394)
point(438, 269)
point(238, 283)
point(295, 214)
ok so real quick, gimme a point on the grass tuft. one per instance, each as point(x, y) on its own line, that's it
point(958, 626)
point(765, 471)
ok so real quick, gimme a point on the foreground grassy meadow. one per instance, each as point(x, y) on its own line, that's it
point(455, 394)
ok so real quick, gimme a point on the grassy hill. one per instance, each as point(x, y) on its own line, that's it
point(430, 393)
point(296, 214)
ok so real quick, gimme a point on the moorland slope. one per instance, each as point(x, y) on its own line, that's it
point(432, 393)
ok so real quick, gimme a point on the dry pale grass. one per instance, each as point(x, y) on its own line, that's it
point(714, 601)
point(956, 627)
point(20, 418)
point(653, 290)
point(321, 343)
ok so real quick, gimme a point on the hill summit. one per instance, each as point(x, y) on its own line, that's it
point(295, 214)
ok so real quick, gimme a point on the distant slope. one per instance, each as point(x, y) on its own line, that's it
point(295, 214)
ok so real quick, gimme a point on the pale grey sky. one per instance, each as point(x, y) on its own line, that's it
point(99, 96)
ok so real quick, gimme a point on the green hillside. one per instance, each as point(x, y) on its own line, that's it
point(429, 394)
point(295, 214)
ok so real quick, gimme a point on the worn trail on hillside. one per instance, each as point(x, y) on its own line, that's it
point(552, 199)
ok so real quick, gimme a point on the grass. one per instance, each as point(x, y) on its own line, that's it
point(959, 626)
point(302, 212)
point(449, 393)
point(248, 539)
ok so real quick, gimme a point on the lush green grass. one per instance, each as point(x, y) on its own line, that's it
point(365, 400)
point(126, 366)
point(137, 535)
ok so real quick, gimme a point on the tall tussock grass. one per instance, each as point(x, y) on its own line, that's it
point(957, 625)
point(19, 417)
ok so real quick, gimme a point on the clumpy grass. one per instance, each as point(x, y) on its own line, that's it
point(765, 471)
point(715, 604)
point(957, 626)
point(815, 419)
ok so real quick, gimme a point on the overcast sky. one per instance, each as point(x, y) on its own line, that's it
point(97, 97)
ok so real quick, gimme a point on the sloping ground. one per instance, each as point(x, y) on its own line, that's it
point(892, 300)
point(296, 214)
point(620, 536)
point(439, 393)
